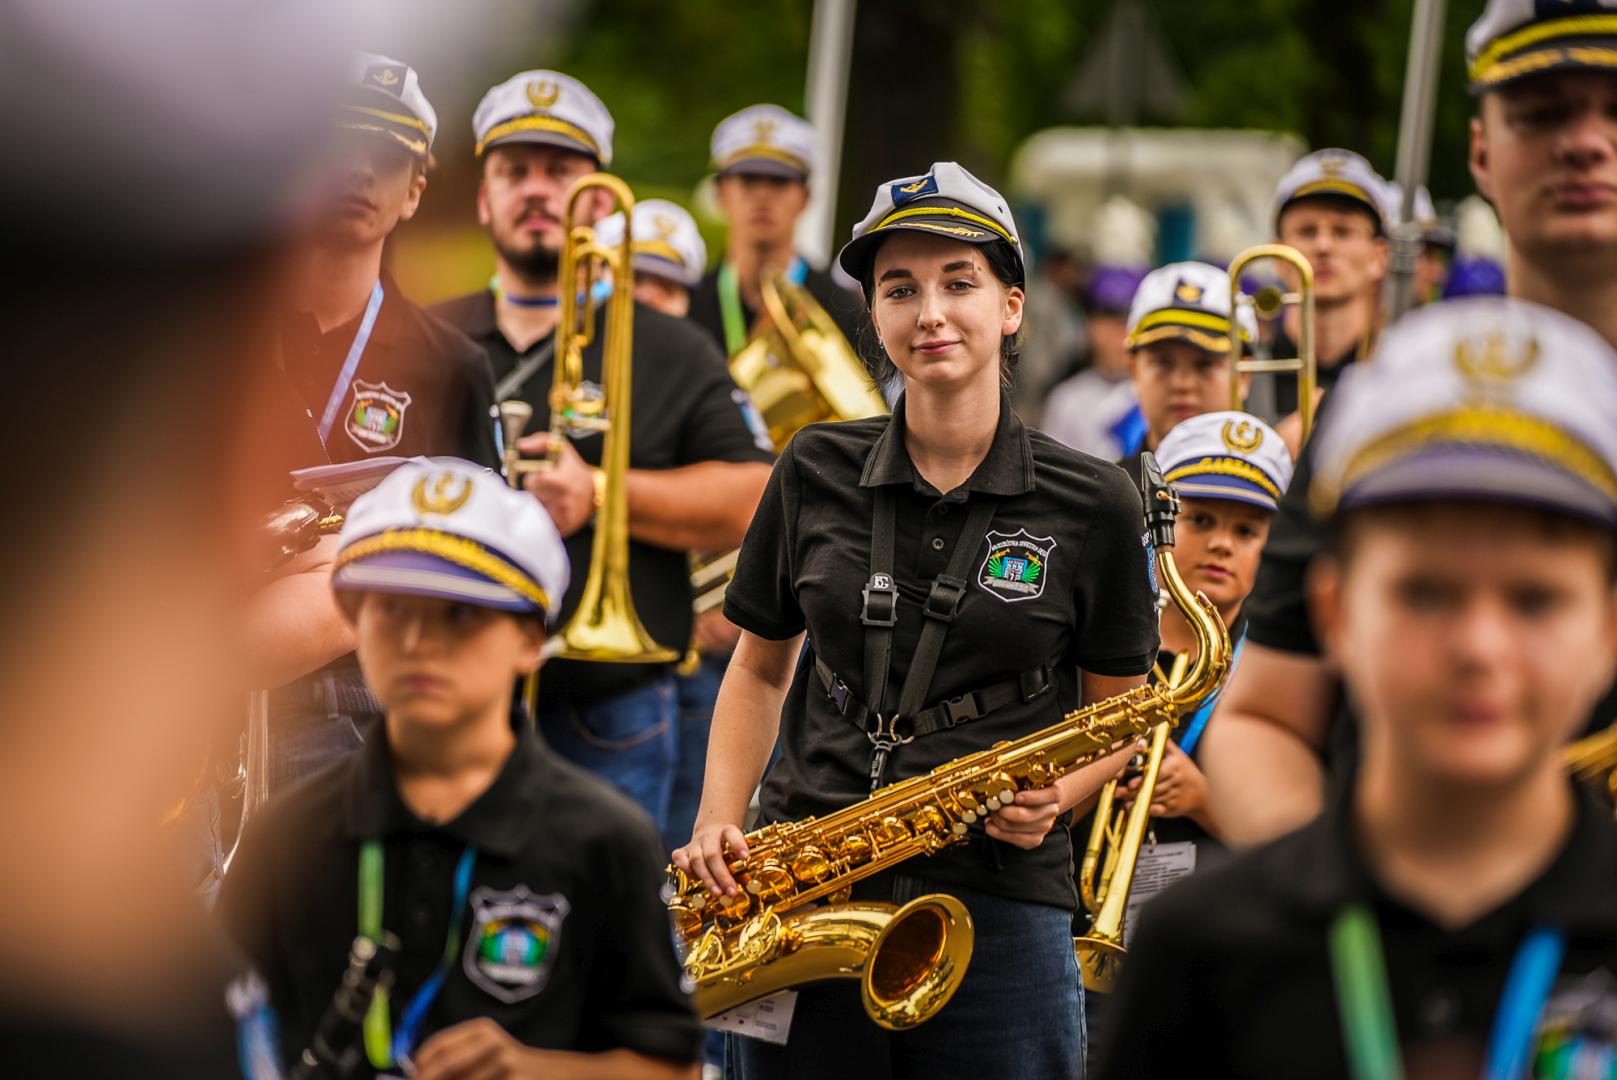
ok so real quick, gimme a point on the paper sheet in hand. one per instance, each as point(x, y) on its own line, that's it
point(1159, 866)
point(769, 1019)
point(339, 485)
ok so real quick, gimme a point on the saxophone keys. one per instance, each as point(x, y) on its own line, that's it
point(993, 802)
point(959, 828)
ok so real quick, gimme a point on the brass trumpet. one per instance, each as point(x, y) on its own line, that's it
point(605, 628)
point(1267, 304)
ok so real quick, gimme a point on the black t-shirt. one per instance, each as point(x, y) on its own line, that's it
point(807, 558)
point(421, 386)
point(1326, 374)
point(845, 306)
point(1229, 973)
point(566, 861)
point(684, 408)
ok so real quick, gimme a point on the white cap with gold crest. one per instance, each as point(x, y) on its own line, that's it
point(384, 98)
point(448, 529)
point(1187, 301)
point(766, 140)
point(1335, 173)
point(1482, 399)
point(544, 107)
point(666, 242)
point(1226, 455)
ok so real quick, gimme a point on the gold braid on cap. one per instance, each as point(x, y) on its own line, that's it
point(456, 549)
point(1211, 466)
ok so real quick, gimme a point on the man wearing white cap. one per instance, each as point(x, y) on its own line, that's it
point(1451, 912)
point(1179, 349)
point(697, 459)
point(365, 374)
point(764, 157)
point(522, 891)
point(668, 254)
point(1544, 153)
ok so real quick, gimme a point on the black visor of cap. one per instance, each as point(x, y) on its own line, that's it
point(952, 220)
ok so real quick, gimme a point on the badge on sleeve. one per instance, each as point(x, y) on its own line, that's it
point(376, 420)
point(1016, 565)
point(511, 949)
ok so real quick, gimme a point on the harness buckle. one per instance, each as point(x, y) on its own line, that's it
point(943, 599)
point(1035, 683)
point(880, 601)
point(884, 735)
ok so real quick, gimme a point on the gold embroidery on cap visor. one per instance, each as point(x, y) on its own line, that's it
point(1210, 466)
point(416, 147)
point(539, 123)
point(1479, 426)
point(1330, 186)
point(1204, 330)
point(760, 150)
point(456, 549)
point(907, 219)
point(1495, 64)
point(661, 249)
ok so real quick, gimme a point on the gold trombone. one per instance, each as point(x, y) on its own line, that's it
point(1267, 304)
point(605, 628)
point(1594, 757)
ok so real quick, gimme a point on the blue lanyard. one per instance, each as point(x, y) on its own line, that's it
point(384, 1048)
point(1193, 730)
point(1364, 1002)
point(521, 301)
point(345, 377)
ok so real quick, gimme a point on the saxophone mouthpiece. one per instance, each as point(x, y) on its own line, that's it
point(1161, 502)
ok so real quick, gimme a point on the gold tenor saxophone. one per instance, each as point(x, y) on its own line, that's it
point(909, 961)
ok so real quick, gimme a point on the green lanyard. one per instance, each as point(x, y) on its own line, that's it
point(1364, 1002)
point(382, 1046)
point(735, 323)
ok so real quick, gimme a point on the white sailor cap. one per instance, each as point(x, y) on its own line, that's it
point(945, 201)
point(765, 139)
point(666, 242)
point(544, 107)
point(1189, 301)
point(1484, 398)
point(1337, 173)
point(1517, 38)
point(447, 528)
point(384, 98)
point(1226, 455)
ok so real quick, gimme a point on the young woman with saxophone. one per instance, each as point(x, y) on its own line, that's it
point(976, 580)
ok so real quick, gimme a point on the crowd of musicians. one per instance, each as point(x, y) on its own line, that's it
point(1330, 652)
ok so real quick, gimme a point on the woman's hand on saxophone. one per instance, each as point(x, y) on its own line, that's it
point(1027, 819)
point(709, 854)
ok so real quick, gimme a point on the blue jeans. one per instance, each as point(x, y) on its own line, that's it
point(1018, 1012)
point(630, 741)
point(697, 692)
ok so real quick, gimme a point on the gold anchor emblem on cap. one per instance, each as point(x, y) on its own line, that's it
point(386, 77)
point(665, 226)
point(1189, 292)
point(911, 189)
point(1490, 363)
point(1333, 165)
point(439, 500)
point(543, 93)
point(1241, 436)
point(763, 129)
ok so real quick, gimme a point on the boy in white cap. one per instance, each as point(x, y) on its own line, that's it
point(1544, 154)
point(1179, 344)
point(763, 158)
point(524, 892)
point(1451, 913)
point(698, 456)
point(668, 254)
point(1332, 206)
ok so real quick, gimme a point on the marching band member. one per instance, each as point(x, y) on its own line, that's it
point(523, 891)
point(698, 452)
point(1022, 557)
point(668, 253)
point(763, 157)
point(1544, 153)
point(1451, 913)
point(1332, 207)
point(367, 374)
point(1179, 348)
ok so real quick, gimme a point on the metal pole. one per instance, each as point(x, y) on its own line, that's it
point(830, 48)
point(1414, 149)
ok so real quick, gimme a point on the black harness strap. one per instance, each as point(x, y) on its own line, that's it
point(880, 613)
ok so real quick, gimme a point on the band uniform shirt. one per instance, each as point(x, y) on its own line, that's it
point(684, 409)
point(807, 557)
point(1229, 973)
point(843, 305)
point(557, 850)
point(421, 386)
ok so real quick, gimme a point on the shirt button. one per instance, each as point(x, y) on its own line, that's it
point(943, 511)
point(937, 543)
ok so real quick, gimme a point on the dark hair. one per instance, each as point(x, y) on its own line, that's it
point(1005, 265)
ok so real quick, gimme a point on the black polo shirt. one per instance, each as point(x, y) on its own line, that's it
point(1326, 373)
point(1229, 974)
point(684, 408)
point(807, 556)
point(845, 306)
point(421, 386)
point(556, 848)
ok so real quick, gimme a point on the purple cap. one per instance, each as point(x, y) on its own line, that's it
point(1474, 277)
point(1112, 288)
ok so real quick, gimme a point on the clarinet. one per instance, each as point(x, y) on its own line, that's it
point(338, 1045)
